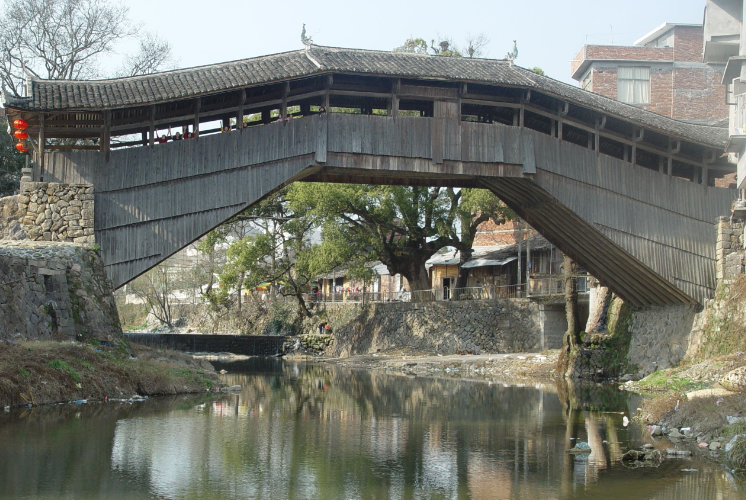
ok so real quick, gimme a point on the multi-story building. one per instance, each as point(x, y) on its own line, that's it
point(724, 40)
point(662, 72)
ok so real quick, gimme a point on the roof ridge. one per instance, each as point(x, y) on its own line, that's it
point(170, 71)
point(407, 54)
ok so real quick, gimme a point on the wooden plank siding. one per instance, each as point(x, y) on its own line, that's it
point(647, 235)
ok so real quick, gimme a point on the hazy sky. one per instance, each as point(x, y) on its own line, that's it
point(549, 33)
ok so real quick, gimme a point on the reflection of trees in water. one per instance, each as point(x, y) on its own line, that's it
point(309, 431)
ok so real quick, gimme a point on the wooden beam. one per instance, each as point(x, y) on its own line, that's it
point(61, 147)
point(494, 104)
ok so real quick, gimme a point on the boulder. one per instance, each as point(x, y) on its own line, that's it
point(735, 380)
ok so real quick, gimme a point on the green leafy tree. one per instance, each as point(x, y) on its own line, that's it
point(413, 45)
point(538, 71)
point(278, 250)
point(400, 226)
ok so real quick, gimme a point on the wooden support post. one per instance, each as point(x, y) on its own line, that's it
point(600, 125)
point(464, 88)
point(105, 146)
point(562, 112)
point(197, 106)
point(672, 150)
point(242, 101)
point(266, 116)
point(327, 89)
point(284, 105)
point(152, 126)
point(637, 136)
point(305, 109)
point(42, 143)
point(661, 163)
point(144, 137)
point(708, 157)
point(393, 104)
point(522, 115)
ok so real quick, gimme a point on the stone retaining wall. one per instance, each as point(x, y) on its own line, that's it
point(480, 326)
point(46, 211)
point(662, 336)
point(55, 290)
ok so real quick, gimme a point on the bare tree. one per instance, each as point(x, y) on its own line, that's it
point(58, 39)
point(64, 39)
point(476, 45)
point(156, 288)
point(155, 54)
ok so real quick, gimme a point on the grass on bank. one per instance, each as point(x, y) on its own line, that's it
point(44, 372)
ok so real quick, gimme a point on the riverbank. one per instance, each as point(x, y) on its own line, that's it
point(46, 372)
point(699, 406)
point(515, 367)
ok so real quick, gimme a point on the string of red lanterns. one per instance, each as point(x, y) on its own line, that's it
point(19, 134)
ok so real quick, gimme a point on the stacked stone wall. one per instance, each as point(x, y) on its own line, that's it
point(729, 250)
point(446, 327)
point(662, 336)
point(55, 291)
point(58, 212)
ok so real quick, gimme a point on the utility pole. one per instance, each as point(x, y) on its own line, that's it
point(528, 260)
point(520, 248)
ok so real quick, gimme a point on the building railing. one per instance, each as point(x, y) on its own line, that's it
point(541, 287)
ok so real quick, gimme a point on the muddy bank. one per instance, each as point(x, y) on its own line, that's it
point(700, 407)
point(505, 367)
point(44, 372)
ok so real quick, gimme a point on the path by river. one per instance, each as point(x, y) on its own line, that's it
point(308, 431)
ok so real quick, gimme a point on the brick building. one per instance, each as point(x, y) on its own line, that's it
point(662, 72)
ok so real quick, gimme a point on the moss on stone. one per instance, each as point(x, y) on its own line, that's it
point(615, 356)
point(725, 330)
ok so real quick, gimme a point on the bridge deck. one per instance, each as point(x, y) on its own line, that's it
point(647, 235)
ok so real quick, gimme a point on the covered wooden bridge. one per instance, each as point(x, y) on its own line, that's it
point(629, 194)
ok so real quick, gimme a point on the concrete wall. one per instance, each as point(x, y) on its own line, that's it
point(54, 291)
point(249, 345)
point(479, 326)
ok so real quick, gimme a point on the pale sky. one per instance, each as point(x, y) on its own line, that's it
point(549, 33)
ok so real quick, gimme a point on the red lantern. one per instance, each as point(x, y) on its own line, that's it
point(21, 147)
point(20, 135)
point(20, 124)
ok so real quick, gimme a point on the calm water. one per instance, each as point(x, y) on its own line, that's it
point(313, 432)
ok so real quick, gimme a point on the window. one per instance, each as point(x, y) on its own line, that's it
point(633, 85)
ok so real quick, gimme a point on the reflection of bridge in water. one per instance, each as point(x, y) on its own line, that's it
point(629, 194)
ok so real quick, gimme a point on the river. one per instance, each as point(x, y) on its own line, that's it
point(305, 431)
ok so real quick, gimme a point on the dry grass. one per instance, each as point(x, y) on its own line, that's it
point(51, 372)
